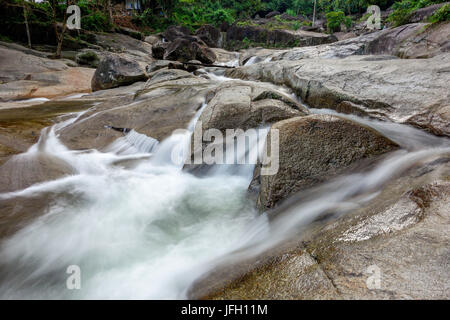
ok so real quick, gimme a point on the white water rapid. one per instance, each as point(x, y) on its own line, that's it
point(148, 231)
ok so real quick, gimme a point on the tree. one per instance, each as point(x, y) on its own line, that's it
point(59, 33)
point(25, 16)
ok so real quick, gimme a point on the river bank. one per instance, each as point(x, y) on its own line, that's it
point(362, 185)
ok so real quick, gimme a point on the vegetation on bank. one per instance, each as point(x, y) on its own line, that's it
point(404, 8)
point(42, 21)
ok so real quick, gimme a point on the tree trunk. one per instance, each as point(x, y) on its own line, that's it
point(314, 14)
point(25, 15)
point(110, 12)
point(59, 46)
point(59, 36)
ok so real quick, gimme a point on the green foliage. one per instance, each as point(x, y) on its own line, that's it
point(219, 16)
point(335, 19)
point(291, 12)
point(442, 14)
point(404, 8)
point(88, 58)
point(96, 21)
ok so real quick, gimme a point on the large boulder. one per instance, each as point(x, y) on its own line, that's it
point(236, 105)
point(401, 236)
point(126, 46)
point(314, 149)
point(423, 14)
point(240, 105)
point(25, 74)
point(411, 41)
point(115, 71)
point(185, 49)
point(158, 49)
point(278, 37)
point(375, 86)
point(174, 32)
point(210, 35)
point(152, 39)
point(167, 101)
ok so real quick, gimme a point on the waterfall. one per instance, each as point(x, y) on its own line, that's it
point(149, 231)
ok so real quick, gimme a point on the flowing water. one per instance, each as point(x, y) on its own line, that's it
point(148, 231)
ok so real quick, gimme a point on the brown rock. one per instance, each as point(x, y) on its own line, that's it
point(314, 149)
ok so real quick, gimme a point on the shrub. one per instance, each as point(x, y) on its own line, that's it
point(403, 9)
point(442, 14)
point(291, 12)
point(296, 25)
point(334, 20)
point(96, 21)
point(219, 16)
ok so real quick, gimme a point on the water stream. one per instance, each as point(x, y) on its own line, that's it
point(150, 230)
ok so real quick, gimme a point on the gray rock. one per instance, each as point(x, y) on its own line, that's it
point(403, 232)
point(115, 71)
point(423, 14)
point(371, 88)
point(185, 49)
point(174, 32)
point(158, 49)
point(210, 35)
point(314, 149)
point(272, 14)
point(152, 39)
point(157, 65)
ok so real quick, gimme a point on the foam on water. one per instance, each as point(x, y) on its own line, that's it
point(148, 232)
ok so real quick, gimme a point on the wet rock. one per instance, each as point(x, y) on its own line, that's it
point(243, 106)
point(167, 101)
point(24, 170)
point(370, 88)
point(167, 75)
point(401, 235)
point(314, 149)
point(115, 71)
point(210, 35)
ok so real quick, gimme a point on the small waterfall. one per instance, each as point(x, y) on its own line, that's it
point(149, 231)
point(142, 142)
point(252, 60)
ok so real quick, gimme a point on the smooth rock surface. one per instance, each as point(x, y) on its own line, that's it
point(314, 149)
point(115, 71)
point(405, 91)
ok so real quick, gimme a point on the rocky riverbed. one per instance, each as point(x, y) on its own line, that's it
point(362, 186)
